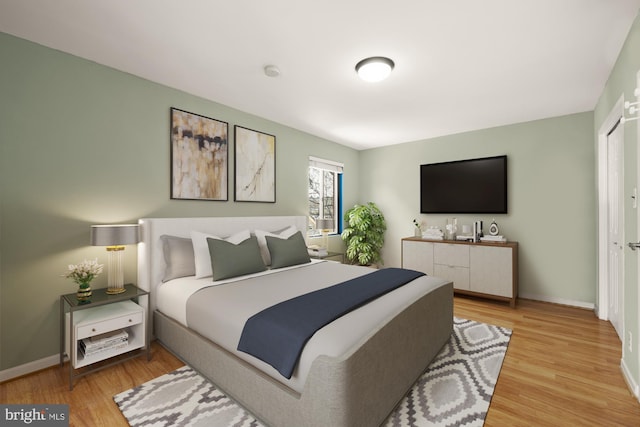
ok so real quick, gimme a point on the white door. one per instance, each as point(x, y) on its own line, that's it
point(615, 218)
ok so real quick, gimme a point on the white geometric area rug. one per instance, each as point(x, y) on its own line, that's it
point(455, 390)
point(457, 387)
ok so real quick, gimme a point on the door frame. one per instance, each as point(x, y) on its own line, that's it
point(602, 304)
point(636, 346)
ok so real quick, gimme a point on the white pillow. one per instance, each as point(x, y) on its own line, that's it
point(201, 249)
point(262, 241)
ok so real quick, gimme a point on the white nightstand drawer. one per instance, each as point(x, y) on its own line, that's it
point(97, 328)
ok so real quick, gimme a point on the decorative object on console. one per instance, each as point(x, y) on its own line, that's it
point(418, 229)
point(114, 237)
point(451, 228)
point(199, 157)
point(493, 228)
point(433, 233)
point(477, 231)
point(364, 233)
point(466, 234)
point(493, 234)
point(255, 166)
point(83, 274)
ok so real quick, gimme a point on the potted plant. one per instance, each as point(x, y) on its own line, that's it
point(364, 234)
point(83, 274)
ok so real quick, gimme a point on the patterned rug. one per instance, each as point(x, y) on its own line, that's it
point(455, 389)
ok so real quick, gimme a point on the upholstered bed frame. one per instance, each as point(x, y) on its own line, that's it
point(360, 388)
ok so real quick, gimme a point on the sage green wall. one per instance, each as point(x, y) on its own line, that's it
point(81, 144)
point(622, 81)
point(550, 196)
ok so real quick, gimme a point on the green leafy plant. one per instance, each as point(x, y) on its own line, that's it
point(364, 234)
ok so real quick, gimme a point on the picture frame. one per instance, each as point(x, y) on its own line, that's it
point(199, 157)
point(255, 166)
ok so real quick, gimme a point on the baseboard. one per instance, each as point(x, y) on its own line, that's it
point(628, 378)
point(28, 368)
point(561, 301)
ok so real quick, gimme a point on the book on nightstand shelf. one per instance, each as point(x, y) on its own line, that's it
point(317, 251)
point(107, 341)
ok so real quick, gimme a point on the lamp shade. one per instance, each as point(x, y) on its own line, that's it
point(324, 224)
point(114, 235)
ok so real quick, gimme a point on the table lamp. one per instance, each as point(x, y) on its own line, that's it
point(114, 237)
point(324, 225)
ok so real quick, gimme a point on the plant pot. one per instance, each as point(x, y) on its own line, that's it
point(84, 292)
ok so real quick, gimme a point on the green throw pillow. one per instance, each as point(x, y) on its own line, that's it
point(286, 252)
point(229, 260)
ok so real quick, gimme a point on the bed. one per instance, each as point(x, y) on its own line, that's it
point(352, 372)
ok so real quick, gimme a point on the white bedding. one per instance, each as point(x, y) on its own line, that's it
point(237, 299)
point(172, 296)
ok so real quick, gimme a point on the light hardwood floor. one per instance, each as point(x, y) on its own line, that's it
point(562, 368)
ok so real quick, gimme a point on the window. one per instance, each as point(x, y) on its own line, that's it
point(325, 194)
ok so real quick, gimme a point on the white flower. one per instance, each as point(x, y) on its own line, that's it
point(84, 272)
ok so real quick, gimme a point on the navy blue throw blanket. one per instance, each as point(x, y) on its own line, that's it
point(277, 334)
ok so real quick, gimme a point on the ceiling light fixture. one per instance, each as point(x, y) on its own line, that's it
point(374, 69)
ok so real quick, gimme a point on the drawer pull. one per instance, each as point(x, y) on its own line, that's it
point(93, 329)
point(130, 320)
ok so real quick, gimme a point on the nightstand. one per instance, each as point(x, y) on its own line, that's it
point(330, 256)
point(107, 330)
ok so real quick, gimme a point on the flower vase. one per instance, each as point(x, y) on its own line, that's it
point(84, 292)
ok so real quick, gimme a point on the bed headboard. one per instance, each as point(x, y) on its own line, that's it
point(151, 264)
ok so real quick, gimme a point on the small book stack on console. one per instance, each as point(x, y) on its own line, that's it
point(497, 239)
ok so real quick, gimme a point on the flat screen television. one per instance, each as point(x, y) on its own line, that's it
point(473, 186)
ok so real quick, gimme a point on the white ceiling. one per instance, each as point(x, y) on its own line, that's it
point(460, 64)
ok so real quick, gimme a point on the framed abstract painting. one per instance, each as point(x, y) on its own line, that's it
point(199, 157)
point(255, 166)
